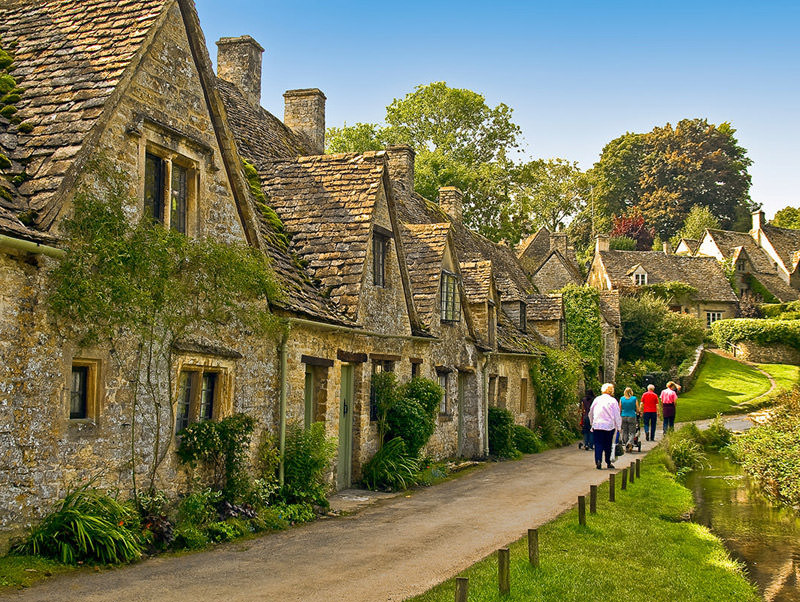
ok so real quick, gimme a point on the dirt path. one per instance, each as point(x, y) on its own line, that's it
point(397, 548)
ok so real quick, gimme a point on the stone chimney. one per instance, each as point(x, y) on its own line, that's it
point(451, 201)
point(401, 164)
point(666, 247)
point(602, 243)
point(558, 242)
point(758, 220)
point(239, 62)
point(304, 113)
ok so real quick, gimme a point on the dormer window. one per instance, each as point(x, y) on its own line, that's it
point(523, 317)
point(740, 265)
point(450, 298)
point(380, 246)
point(640, 277)
point(169, 185)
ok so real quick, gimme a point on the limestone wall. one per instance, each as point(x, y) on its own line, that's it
point(772, 354)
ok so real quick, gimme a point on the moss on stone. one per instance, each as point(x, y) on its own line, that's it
point(5, 163)
point(26, 127)
point(28, 217)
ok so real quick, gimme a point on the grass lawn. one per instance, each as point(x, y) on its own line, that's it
point(786, 376)
point(722, 384)
point(634, 549)
point(23, 571)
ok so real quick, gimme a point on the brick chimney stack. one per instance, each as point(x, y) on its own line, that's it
point(451, 201)
point(304, 113)
point(602, 243)
point(401, 165)
point(239, 62)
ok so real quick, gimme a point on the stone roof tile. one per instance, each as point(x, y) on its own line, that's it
point(785, 241)
point(545, 307)
point(424, 245)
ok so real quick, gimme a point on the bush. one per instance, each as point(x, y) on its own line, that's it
point(296, 513)
point(633, 375)
point(584, 329)
point(501, 433)
point(410, 421)
point(555, 377)
point(391, 467)
point(270, 519)
point(762, 332)
point(199, 508)
point(308, 454)
point(526, 441)
point(88, 525)
point(622, 243)
point(716, 436)
point(425, 391)
point(685, 450)
point(190, 537)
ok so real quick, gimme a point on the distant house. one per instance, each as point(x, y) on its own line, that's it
point(687, 246)
point(549, 261)
point(629, 271)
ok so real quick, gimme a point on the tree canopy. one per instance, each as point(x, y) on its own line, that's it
point(788, 217)
point(697, 222)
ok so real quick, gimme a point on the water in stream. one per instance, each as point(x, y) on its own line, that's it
point(764, 537)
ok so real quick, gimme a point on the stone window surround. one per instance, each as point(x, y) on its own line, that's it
point(223, 393)
point(94, 384)
point(443, 379)
point(381, 242)
point(640, 277)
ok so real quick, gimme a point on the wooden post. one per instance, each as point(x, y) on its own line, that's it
point(611, 479)
point(533, 547)
point(624, 479)
point(593, 499)
point(632, 472)
point(582, 510)
point(462, 588)
point(503, 565)
point(638, 468)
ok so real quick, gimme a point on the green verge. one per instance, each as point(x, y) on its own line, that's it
point(634, 549)
point(23, 571)
point(722, 384)
point(786, 376)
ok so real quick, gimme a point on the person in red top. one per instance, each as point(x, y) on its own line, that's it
point(650, 412)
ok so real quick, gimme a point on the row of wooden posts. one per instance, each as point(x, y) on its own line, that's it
point(503, 556)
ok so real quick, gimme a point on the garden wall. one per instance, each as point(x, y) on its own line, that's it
point(776, 353)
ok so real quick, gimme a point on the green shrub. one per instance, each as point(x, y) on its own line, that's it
point(685, 449)
point(716, 436)
point(425, 391)
point(622, 243)
point(501, 433)
point(190, 537)
point(199, 508)
point(222, 531)
point(270, 519)
point(584, 330)
point(632, 374)
point(762, 332)
point(555, 377)
point(88, 525)
point(296, 513)
point(410, 421)
point(391, 467)
point(383, 394)
point(526, 441)
point(759, 289)
point(308, 455)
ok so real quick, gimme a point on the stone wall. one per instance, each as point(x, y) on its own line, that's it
point(772, 354)
point(552, 276)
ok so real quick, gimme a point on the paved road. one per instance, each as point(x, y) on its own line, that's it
point(394, 549)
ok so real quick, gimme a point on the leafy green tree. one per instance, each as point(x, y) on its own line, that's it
point(357, 138)
point(788, 217)
point(697, 222)
point(550, 191)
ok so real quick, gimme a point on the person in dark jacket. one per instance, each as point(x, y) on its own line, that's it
point(586, 428)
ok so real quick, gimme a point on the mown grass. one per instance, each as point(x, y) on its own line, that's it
point(23, 571)
point(722, 384)
point(634, 549)
point(786, 376)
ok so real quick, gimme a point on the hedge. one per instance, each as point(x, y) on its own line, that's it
point(759, 331)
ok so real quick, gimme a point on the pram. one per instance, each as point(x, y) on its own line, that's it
point(637, 436)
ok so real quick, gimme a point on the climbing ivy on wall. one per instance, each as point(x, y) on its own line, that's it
point(584, 326)
point(555, 377)
point(124, 284)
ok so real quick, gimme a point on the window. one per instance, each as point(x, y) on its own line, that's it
point(492, 323)
point(640, 278)
point(523, 317)
point(502, 392)
point(179, 198)
point(170, 186)
point(380, 244)
point(377, 367)
point(523, 395)
point(493, 390)
point(154, 169)
point(83, 389)
point(712, 316)
point(444, 381)
point(415, 364)
point(450, 298)
point(741, 265)
point(316, 394)
point(199, 396)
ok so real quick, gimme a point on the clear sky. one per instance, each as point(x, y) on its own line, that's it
point(577, 74)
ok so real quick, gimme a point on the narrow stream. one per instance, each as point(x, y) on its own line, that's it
point(764, 537)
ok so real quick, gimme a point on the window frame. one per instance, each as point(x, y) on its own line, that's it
point(172, 162)
point(443, 380)
point(713, 316)
point(92, 369)
point(640, 278)
point(196, 369)
point(449, 298)
point(380, 246)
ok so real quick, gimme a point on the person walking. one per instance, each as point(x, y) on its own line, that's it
point(650, 412)
point(629, 408)
point(586, 428)
point(669, 397)
point(605, 419)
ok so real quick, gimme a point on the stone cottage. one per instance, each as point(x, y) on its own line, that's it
point(549, 260)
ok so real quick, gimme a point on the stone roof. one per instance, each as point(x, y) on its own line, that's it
point(778, 287)
point(727, 241)
point(70, 57)
point(786, 243)
point(691, 243)
point(260, 136)
point(477, 278)
point(545, 307)
point(511, 339)
point(326, 203)
point(424, 245)
point(535, 246)
point(703, 273)
point(609, 308)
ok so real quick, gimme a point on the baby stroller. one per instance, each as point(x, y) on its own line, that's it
point(637, 437)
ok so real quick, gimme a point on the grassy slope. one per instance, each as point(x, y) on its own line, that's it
point(786, 376)
point(631, 550)
point(23, 571)
point(722, 384)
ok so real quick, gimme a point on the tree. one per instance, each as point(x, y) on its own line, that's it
point(633, 226)
point(788, 217)
point(669, 170)
point(357, 138)
point(697, 222)
point(551, 190)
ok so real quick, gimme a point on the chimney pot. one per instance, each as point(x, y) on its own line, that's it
point(602, 243)
point(239, 62)
point(451, 201)
point(401, 164)
point(304, 113)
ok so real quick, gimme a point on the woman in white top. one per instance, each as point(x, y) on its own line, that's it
point(604, 416)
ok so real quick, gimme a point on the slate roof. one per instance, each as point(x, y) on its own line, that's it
point(703, 273)
point(727, 241)
point(609, 308)
point(545, 307)
point(692, 243)
point(536, 250)
point(70, 56)
point(260, 136)
point(778, 287)
point(511, 339)
point(326, 203)
point(786, 243)
point(535, 246)
point(424, 245)
point(477, 278)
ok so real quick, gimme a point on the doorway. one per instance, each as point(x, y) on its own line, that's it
point(344, 468)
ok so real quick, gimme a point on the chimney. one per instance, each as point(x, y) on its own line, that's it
point(401, 164)
point(558, 242)
point(758, 220)
point(667, 247)
point(239, 62)
point(450, 200)
point(304, 113)
point(602, 243)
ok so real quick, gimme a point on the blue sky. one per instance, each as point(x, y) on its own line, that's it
point(577, 74)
